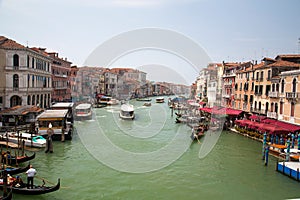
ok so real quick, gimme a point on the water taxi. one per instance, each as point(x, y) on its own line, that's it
point(160, 100)
point(59, 121)
point(103, 100)
point(83, 111)
point(127, 112)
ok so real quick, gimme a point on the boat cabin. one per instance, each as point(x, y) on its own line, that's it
point(65, 105)
point(59, 121)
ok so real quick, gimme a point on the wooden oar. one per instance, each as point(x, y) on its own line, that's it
point(45, 180)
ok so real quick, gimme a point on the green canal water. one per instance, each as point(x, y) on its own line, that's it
point(232, 170)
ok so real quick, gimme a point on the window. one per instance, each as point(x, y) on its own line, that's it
point(16, 60)
point(267, 107)
point(276, 107)
point(252, 86)
point(282, 86)
point(241, 86)
point(32, 63)
point(268, 88)
point(251, 98)
point(27, 61)
point(32, 82)
point(294, 85)
point(1, 100)
point(28, 80)
point(292, 109)
point(44, 82)
point(261, 75)
point(261, 88)
point(236, 86)
point(281, 107)
point(28, 100)
point(277, 87)
point(257, 75)
point(256, 89)
point(269, 75)
point(16, 81)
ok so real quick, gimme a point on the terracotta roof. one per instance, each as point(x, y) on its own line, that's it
point(282, 63)
point(20, 110)
point(288, 56)
point(268, 59)
point(8, 43)
point(40, 50)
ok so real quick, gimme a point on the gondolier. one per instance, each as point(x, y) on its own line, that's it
point(30, 175)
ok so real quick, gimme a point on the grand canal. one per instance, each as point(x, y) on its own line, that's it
point(232, 170)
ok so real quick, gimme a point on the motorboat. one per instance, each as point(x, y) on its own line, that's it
point(30, 140)
point(112, 102)
point(83, 111)
point(160, 100)
point(127, 111)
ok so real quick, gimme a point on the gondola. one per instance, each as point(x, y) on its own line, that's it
point(36, 190)
point(8, 195)
point(20, 159)
point(16, 170)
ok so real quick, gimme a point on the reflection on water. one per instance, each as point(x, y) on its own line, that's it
point(233, 170)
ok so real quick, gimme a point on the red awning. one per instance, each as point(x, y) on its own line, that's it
point(205, 109)
point(291, 127)
point(241, 122)
point(273, 129)
point(221, 111)
point(230, 111)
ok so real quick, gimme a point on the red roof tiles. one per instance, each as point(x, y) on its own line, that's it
point(8, 43)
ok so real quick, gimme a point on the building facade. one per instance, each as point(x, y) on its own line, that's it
point(25, 75)
point(61, 75)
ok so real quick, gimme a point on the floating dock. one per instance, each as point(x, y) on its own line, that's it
point(290, 169)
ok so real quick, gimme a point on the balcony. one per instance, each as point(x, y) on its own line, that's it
point(227, 84)
point(229, 75)
point(16, 68)
point(226, 96)
point(61, 75)
point(273, 115)
point(258, 93)
point(259, 111)
point(273, 94)
point(292, 95)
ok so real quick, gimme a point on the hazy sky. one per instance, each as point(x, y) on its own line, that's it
point(229, 30)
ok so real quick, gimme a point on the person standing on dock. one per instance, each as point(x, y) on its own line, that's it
point(30, 175)
point(267, 155)
point(49, 145)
